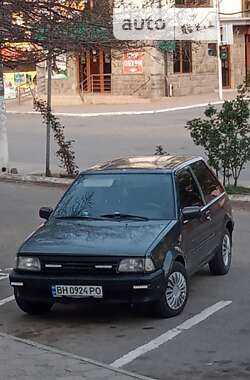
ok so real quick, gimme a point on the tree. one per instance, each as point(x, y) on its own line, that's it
point(159, 151)
point(32, 31)
point(225, 136)
point(64, 153)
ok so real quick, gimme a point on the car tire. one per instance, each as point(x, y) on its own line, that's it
point(176, 293)
point(220, 264)
point(30, 307)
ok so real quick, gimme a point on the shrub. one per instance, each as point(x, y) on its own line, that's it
point(225, 136)
point(159, 151)
point(65, 152)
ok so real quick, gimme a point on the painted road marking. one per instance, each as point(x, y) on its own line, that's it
point(6, 300)
point(121, 113)
point(3, 276)
point(169, 335)
point(4, 273)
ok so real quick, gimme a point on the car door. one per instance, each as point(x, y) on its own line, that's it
point(195, 233)
point(214, 195)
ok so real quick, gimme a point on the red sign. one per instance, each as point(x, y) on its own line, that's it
point(9, 54)
point(133, 63)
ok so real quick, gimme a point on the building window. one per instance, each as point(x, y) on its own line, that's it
point(212, 50)
point(193, 3)
point(183, 57)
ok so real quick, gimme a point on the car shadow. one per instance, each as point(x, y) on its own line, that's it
point(100, 313)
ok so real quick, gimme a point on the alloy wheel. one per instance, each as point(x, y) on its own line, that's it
point(226, 249)
point(176, 292)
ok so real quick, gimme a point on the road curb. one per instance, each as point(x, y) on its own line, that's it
point(240, 198)
point(55, 181)
point(36, 179)
point(75, 357)
point(120, 113)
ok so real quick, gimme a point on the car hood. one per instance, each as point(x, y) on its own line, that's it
point(95, 238)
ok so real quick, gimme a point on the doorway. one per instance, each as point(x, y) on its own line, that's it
point(248, 57)
point(95, 71)
point(226, 66)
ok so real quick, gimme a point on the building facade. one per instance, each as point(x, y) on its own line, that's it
point(189, 69)
point(235, 15)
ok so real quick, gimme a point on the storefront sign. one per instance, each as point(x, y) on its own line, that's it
point(133, 63)
point(9, 86)
point(136, 22)
point(61, 71)
point(21, 81)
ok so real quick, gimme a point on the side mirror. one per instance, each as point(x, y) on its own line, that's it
point(45, 212)
point(190, 213)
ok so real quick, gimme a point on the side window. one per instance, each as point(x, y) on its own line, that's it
point(208, 182)
point(189, 192)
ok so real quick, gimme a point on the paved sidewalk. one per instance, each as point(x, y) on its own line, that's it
point(161, 105)
point(26, 360)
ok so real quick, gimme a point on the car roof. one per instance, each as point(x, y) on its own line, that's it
point(165, 162)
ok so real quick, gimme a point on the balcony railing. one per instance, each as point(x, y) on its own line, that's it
point(102, 83)
point(97, 83)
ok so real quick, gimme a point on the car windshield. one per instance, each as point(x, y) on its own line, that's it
point(119, 196)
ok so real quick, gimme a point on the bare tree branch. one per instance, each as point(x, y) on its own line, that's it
point(30, 30)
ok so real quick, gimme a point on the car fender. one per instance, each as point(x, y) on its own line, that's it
point(170, 258)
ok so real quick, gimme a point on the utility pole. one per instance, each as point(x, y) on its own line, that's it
point(218, 25)
point(48, 128)
point(49, 95)
point(3, 128)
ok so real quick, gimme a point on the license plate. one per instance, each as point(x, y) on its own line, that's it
point(77, 291)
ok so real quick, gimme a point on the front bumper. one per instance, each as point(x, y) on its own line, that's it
point(116, 288)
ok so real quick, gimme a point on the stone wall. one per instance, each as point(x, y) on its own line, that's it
point(155, 65)
point(152, 83)
point(148, 84)
point(63, 90)
point(131, 84)
point(193, 84)
point(238, 58)
point(70, 85)
point(204, 77)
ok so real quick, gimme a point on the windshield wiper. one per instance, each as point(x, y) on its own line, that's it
point(118, 215)
point(79, 217)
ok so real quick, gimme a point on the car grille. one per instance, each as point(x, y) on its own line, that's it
point(79, 265)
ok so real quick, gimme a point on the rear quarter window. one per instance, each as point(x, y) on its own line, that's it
point(189, 193)
point(209, 184)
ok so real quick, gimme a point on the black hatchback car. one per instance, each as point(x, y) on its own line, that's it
point(132, 230)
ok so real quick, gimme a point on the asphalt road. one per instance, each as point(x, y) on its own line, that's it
point(103, 138)
point(213, 346)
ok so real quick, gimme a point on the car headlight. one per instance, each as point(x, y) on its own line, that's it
point(28, 263)
point(136, 265)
